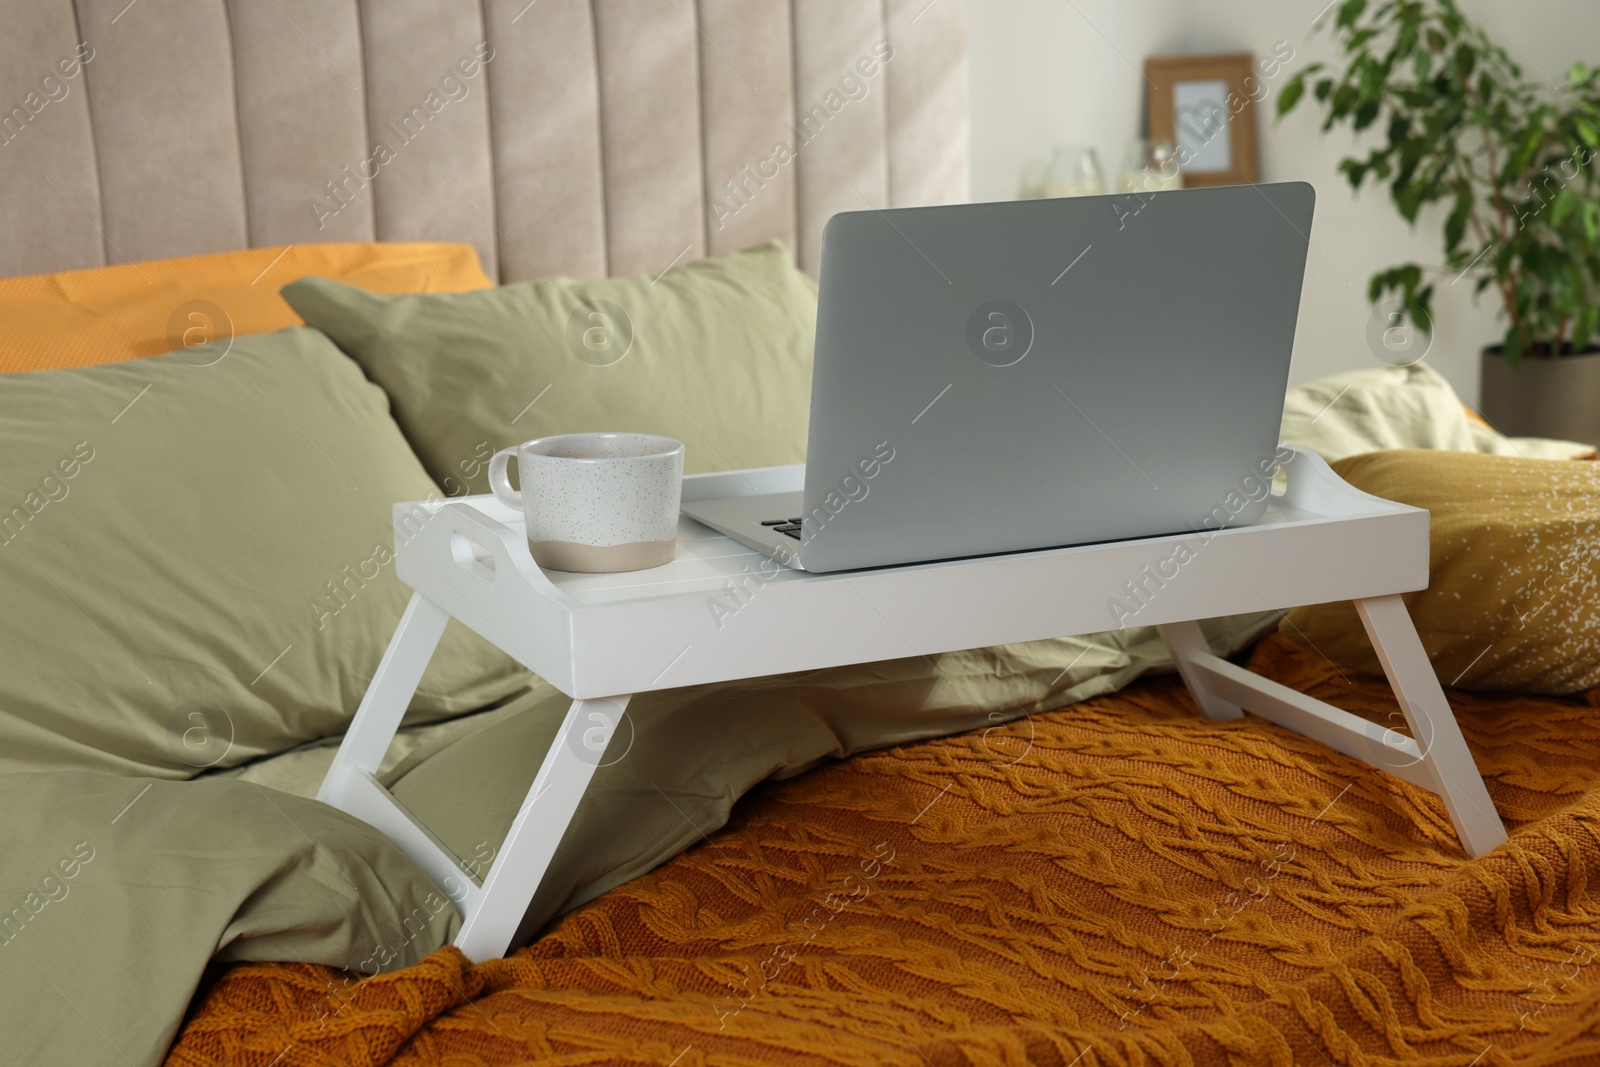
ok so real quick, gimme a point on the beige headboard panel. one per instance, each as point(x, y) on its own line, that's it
point(603, 137)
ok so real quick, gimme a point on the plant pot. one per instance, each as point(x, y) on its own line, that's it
point(1543, 397)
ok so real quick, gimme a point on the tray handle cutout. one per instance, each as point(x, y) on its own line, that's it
point(471, 555)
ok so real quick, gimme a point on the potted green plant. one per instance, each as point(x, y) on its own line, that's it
point(1514, 160)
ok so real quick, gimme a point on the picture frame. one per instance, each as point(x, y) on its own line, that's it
point(1204, 106)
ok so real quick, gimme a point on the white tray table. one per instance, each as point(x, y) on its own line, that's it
point(600, 638)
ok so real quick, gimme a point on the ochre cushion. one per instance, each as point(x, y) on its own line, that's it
point(716, 353)
point(1511, 602)
point(105, 314)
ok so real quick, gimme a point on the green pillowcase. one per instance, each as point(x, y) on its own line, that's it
point(116, 891)
point(716, 354)
point(197, 559)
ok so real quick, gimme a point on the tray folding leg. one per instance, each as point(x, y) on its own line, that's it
point(496, 908)
point(491, 909)
point(1432, 722)
point(389, 693)
point(1185, 641)
point(1435, 756)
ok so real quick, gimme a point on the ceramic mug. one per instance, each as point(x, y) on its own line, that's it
point(596, 501)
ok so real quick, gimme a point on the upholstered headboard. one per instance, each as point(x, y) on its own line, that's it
point(557, 136)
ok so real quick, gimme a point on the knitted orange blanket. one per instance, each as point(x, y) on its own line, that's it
point(1120, 882)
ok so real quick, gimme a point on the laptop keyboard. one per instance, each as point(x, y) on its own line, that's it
point(784, 526)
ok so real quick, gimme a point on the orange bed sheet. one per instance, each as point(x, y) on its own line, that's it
point(105, 314)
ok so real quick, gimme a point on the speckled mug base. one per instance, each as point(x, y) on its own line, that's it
point(602, 559)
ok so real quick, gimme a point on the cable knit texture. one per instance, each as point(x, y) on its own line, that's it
point(1119, 882)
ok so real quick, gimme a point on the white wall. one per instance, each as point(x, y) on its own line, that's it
point(1046, 72)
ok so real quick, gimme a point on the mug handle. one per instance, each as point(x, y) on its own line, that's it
point(498, 480)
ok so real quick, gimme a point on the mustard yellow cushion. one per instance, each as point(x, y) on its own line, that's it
point(1511, 602)
point(107, 314)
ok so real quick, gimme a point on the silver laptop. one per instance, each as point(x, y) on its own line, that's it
point(1012, 376)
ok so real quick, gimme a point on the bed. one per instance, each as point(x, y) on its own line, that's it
point(1040, 854)
point(1146, 887)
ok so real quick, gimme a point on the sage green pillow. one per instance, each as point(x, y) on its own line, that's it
point(118, 890)
point(195, 554)
point(716, 354)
